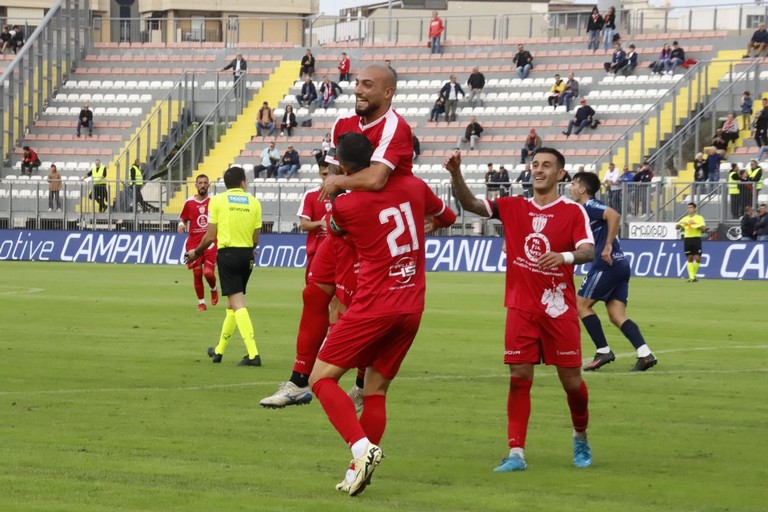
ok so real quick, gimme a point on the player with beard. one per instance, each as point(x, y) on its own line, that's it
point(194, 220)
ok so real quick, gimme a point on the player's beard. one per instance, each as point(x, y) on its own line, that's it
point(202, 192)
point(367, 110)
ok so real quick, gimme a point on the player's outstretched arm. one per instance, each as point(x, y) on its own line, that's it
point(460, 189)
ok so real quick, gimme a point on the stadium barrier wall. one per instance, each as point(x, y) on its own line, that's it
point(648, 258)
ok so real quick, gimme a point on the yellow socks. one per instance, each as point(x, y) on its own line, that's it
point(227, 328)
point(245, 327)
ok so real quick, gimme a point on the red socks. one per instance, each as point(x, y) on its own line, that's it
point(339, 409)
point(518, 411)
point(374, 417)
point(197, 273)
point(313, 327)
point(578, 402)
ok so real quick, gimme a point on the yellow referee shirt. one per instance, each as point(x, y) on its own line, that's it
point(237, 214)
point(692, 225)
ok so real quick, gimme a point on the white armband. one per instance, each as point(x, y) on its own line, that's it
point(567, 257)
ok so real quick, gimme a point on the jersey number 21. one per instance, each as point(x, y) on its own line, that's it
point(401, 217)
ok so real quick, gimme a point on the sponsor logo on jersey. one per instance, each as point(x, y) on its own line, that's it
point(237, 199)
point(404, 269)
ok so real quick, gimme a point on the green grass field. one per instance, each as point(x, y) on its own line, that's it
point(109, 403)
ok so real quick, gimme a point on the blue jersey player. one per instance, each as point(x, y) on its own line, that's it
point(607, 280)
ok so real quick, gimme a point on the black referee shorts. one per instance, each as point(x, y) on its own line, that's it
point(692, 246)
point(235, 266)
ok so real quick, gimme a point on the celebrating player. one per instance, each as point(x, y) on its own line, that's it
point(194, 219)
point(312, 213)
point(607, 280)
point(544, 236)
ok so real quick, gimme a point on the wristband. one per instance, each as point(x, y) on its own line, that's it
point(567, 257)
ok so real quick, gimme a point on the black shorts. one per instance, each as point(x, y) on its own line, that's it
point(235, 266)
point(693, 246)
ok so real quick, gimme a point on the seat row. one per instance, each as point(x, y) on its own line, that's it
point(104, 98)
point(98, 111)
point(157, 71)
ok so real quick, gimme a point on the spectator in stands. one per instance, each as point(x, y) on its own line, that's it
point(531, 146)
point(759, 41)
point(718, 140)
point(85, 119)
point(662, 63)
point(612, 183)
point(476, 82)
point(523, 61)
point(100, 193)
point(730, 129)
point(609, 27)
point(416, 147)
point(700, 168)
point(745, 107)
point(29, 161)
point(289, 121)
point(344, 65)
point(471, 134)
point(761, 227)
point(450, 92)
point(582, 119)
point(17, 38)
point(308, 93)
point(388, 63)
point(594, 27)
point(748, 222)
point(435, 32)
point(557, 89)
point(329, 91)
point(676, 58)
point(630, 63)
point(265, 120)
point(307, 64)
point(238, 65)
point(714, 157)
point(490, 181)
point(325, 145)
point(525, 179)
point(618, 59)
point(5, 40)
point(54, 188)
point(644, 174)
point(761, 125)
point(502, 177)
point(437, 109)
point(291, 164)
point(571, 91)
point(270, 156)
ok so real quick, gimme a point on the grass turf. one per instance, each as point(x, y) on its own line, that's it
point(109, 403)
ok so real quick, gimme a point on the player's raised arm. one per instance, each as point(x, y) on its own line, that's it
point(468, 201)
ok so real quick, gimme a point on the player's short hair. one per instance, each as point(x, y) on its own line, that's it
point(234, 177)
point(558, 155)
point(201, 176)
point(692, 204)
point(589, 181)
point(354, 151)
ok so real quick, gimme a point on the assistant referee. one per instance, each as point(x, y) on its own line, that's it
point(235, 218)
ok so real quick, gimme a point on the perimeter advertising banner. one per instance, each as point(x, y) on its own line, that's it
point(648, 258)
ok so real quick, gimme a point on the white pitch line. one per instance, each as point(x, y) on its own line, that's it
point(15, 290)
point(415, 378)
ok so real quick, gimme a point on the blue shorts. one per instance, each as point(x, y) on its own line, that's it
point(606, 283)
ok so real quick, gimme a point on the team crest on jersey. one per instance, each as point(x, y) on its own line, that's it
point(403, 270)
point(553, 300)
point(201, 209)
point(539, 222)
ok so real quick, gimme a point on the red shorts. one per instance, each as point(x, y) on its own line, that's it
point(531, 338)
point(208, 258)
point(380, 342)
point(334, 263)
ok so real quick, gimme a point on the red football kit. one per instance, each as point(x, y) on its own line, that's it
point(195, 214)
point(312, 209)
point(542, 321)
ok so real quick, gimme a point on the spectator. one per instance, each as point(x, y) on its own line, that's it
point(490, 181)
point(416, 147)
point(612, 183)
point(450, 92)
point(631, 62)
point(502, 177)
point(308, 64)
point(609, 27)
point(618, 59)
point(329, 91)
point(85, 119)
point(644, 174)
point(761, 227)
point(700, 169)
point(532, 145)
point(557, 89)
point(54, 188)
point(308, 93)
point(719, 141)
point(758, 42)
point(594, 27)
point(714, 157)
point(730, 129)
point(29, 161)
point(748, 222)
point(388, 63)
point(238, 65)
point(676, 58)
point(583, 118)
point(525, 179)
point(17, 38)
point(761, 125)
point(100, 193)
point(5, 40)
point(270, 156)
point(745, 106)
point(662, 63)
point(476, 82)
point(437, 109)
point(523, 61)
point(471, 133)
point(746, 191)
point(265, 120)
point(291, 164)
point(325, 145)
point(344, 65)
point(571, 91)
point(289, 121)
point(435, 32)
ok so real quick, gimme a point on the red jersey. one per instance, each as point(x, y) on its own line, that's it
point(435, 27)
point(387, 229)
point(390, 136)
point(344, 66)
point(530, 231)
point(311, 208)
point(195, 213)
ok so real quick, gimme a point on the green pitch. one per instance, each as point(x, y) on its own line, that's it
point(109, 403)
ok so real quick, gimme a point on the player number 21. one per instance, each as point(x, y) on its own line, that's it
point(398, 215)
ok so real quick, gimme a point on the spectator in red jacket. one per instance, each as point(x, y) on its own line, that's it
point(29, 161)
point(435, 32)
point(344, 65)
